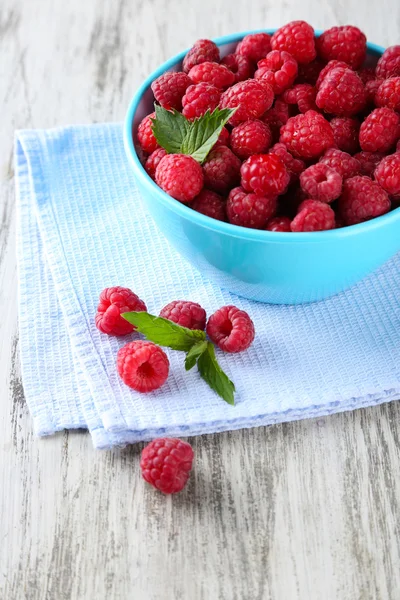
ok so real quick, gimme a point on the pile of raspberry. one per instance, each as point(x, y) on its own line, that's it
point(314, 143)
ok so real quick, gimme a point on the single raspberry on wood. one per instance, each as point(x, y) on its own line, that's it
point(346, 43)
point(166, 464)
point(231, 329)
point(153, 161)
point(297, 38)
point(185, 313)
point(321, 182)
point(302, 94)
point(388, 94)
point(362, 199)
point(215, 74)
point(345, 132)
point(387, 174)
point(332, 64)
point(169, 88)
point(368, 161)
point(389, 63)
point(313, 216)
point(380, 130)
point(145, 135)
point(211, 204)
point(341, 93)
point(295, 166)
point(201, 51)
point(279, 69)
point(264, 174)
point(250, 137)
point(281, 224)
point(241, 66)
point(344, 164)
point(254, 46)
point(143, 366)
point(251, 97)
point(307, 136)
point(112, 303)
point(198, 99)
point(221, 170)
point(249, 210)
point(180, 176)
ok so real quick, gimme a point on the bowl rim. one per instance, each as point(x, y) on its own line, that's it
point(187, 213)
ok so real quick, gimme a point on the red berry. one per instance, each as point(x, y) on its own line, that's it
point(145, 134)
point(388, 94)
point(302, 94)
point(277, 116)
point(254, 46)
point(143, 366)
point(264, 174)
point(198, 99)
point(250, 137)
point(345, 132)
point(241, 66)
point(185, 313)
point(313, 216)
point(249, 210)
point(221, 170)
point(346, 165)
point(309, 73)
point(153, 161)
point(307, 136)
point(224, 138)
point(295, 166)
point(366, 74)
point(332, 64)
point(389, 63)
point(387, 174)
point(279, 69)
point(112, 303)
point(297, 38)
point(210, 204)
point(380, 130)
point(341, 93)
point(398, 146)
point(251, 97)
point(166, 464)
point(346, 43)
point(201, 51)
point(362, 199)
point(321, 182)
point(368, 161)
point(371, 87)
point(180, 176)
point(215, 74)
point(169, 88)
point(278, 224)
point(231, 329)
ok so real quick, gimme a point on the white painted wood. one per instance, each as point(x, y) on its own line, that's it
point(307, 510)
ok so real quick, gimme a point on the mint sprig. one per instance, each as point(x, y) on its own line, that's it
point(194, 354)
point(178, 135)
point(212, 373)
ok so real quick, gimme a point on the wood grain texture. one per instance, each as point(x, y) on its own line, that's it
point(307, 510)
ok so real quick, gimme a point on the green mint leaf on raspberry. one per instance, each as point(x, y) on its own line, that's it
point(164, 332)
point(212, 373)
point(170, 129)
point(194, 353)
point(204, 132)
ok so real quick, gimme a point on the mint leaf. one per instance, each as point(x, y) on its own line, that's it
point(212, 373)
point(170, 129)
point(194, 353)
point(164, 332)
point(204, 132)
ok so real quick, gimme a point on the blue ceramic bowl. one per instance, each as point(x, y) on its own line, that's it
point(279, 268)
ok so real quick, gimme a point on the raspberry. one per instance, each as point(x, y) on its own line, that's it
point(346, 43)
point(313, 216)
point(198, 99)
point(297, 38)
point(185, 313)
point(362, 199)
point(279, 69)
point(368, 161)
point(223, 138)
point(264, 174)
point(387, 174)
point(113, 302)
point(388, 94)
point(277, 116)
point(231, 329)
point(278, 224)
point(250, 137)
point(309, 73)
point(321, 182)
point(210, 204)
point(294, 166)
point(210, 72)
point(398, 146)
point(254, 46)
point(153, 161)
point(169, 88)
point(241, 66)
point(180, 176)
point(345, 132)
point(344, 164)
point(145, 134)
point(366, 74)
point(380, 130)
point(221, 170)
point(302, 94)
point(251, 97)
point(166, 464)
point(332, 64)
point(307, 136)
point(249, 210)
point(341, 93)
point(143, 366)
point(389, 63)
point(371, 87)
point(201, 51)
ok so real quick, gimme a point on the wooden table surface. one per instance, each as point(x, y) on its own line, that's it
point(306, 510)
